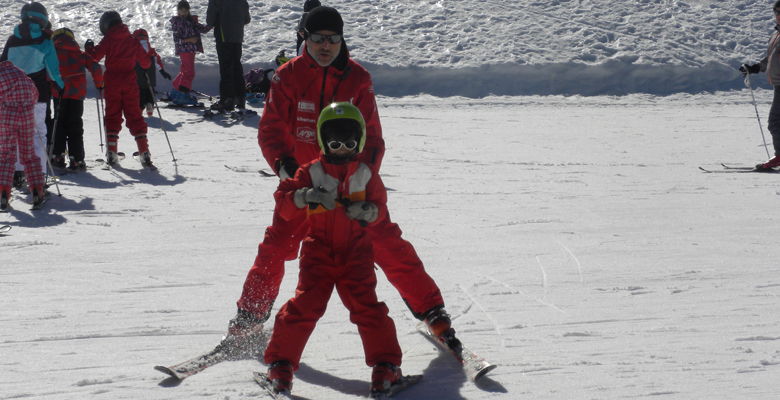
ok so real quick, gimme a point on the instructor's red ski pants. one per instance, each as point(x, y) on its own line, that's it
point(396, 257)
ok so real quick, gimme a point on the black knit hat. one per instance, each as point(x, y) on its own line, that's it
point(183, 4)
point(324, 19)
point(310, 5)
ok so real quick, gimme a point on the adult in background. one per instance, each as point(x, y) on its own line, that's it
point(771, 65)
point(300, 34)
point(228, 18)
point(287, 135)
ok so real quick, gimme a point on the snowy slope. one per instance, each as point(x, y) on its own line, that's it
point(476, 48)
point(574, 240)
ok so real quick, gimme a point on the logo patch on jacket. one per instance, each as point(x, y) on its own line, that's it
point(306, 134)
point(306, 106)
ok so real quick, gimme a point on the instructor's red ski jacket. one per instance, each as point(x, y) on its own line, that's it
point(300, 89)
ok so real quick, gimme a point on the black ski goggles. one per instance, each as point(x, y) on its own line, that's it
point(320, 38)
point(335, 145)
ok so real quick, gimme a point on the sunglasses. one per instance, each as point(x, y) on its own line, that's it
point(777, 12)
point(336, 145)
point(320, 38)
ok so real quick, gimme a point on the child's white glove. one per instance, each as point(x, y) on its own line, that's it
point(365, 211)
point(314, 196)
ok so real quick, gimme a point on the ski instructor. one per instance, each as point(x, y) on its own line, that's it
point(287, 135)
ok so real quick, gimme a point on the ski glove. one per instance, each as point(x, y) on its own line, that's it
point(363, 211)
point(314, 196)
point(750, 69)
point(89, 45)
point(165, 74)
point(287, 168)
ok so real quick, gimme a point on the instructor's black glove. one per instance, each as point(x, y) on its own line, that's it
point(287, 168)
point(165, 74)
point(89, 45)
point(750, 69)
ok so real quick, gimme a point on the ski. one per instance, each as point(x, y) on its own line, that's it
point(266, 173)
point(229, 349)
point(107, 166)
point(738, 171)
point(403, 383)
point(265, 383)
point(726, 166)
point(150, 166)
point(185, 106)
point(474, 366)
point(4, 229)
point(195, 365)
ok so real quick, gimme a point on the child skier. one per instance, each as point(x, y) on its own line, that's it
point(146, 77)
point(122, 53)
point(18, 99)
point(339, 196)
point(771, 65)
point(69, 108)
point(31, 49)
point(186, 37)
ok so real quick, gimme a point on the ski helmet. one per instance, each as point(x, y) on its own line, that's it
point(109, 19)
point(36, 13)
point(340, 121)
point(62, 31)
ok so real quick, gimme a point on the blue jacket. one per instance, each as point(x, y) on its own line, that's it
point(30, 49)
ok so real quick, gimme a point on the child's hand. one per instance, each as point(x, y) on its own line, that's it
point(363, 211)
point(165, 74)
point(314, 196)
point(89, 45)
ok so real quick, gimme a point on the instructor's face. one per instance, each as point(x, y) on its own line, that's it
point(325, 51)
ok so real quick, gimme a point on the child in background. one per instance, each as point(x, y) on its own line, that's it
point(186, 36)
point(147, 78)
point(31, 50)
point(18, 98)
point(122, 52)
point(339, 196)
point(69, 109)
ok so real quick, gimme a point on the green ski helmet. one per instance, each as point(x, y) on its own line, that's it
point(341, 121)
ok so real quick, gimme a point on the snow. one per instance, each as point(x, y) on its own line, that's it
point(575, 242)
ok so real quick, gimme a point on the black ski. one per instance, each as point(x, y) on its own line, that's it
point(265, 383)
point(474, 366)
point(194, 105)
point(4, 229)
point(735, 170)
point(229, 349)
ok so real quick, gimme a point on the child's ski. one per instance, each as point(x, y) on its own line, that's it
point(265, 383)
point(474, 365)
point(150, 166)
point(403, 383)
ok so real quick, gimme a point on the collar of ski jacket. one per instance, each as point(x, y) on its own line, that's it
point(30, 31)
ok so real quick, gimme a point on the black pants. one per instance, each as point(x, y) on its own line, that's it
point(145, 78)
point(70, 128)
point(231, 73)
point(774, 121)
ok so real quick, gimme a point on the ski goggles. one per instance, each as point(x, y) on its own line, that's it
point(320, 38)
point(335, 145)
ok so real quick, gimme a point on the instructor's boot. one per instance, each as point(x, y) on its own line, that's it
point(440, 326)
point(245, 338)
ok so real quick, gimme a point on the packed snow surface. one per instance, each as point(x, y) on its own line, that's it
point(479, 48)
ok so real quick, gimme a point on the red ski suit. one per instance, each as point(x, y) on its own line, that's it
point(122, 51)
point(18, 96)
point(73, 66)
point(299, 90)
point(336, 251)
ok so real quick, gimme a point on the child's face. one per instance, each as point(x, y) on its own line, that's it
point(183, 12)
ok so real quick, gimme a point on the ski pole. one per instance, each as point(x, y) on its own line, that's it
point(159, 114)
point(100, 119)
point(51, 149)
point(753, 96)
